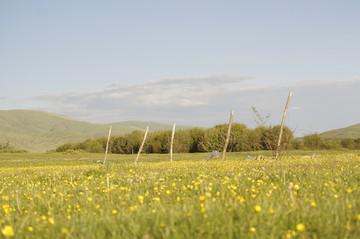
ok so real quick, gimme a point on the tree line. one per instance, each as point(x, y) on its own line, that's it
point(194, 140)
point(316, 141)
point(188, 140)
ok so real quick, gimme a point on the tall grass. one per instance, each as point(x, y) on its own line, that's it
point(71, 196)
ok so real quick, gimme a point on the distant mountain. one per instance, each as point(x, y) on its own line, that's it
point(39, 131)
point(348, 132)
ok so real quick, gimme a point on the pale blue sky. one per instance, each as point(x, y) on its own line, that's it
point(67, 57)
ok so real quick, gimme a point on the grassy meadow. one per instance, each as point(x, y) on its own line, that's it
point(55, 195)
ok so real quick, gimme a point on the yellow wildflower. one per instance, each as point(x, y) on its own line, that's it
point(134, 208)
point(51, 221)
point(300, 227)
point(8, 231)
point(257, 208)
point(64, 230)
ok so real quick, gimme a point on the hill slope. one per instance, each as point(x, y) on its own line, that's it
point(41, 131)
point(348, 132)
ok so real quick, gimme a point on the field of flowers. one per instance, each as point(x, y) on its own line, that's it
point(73, 196)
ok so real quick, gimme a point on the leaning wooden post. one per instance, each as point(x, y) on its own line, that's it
point(172, 142)
point(107, 145)
point(228, 134)
point(142, 144)
point(282, 126)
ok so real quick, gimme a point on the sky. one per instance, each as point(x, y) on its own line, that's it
point(186, 61)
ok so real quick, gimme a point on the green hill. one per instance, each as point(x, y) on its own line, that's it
point(40, 131)
point(348, 132)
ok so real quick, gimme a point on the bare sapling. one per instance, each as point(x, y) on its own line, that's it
point(142, 144)
point(228, 134)
point(259, 119)
point(278, 148)
point(107, 146)
point(172, 142)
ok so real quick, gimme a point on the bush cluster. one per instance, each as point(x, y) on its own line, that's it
point(8, 148)
point(189, 140)
point(316, 141)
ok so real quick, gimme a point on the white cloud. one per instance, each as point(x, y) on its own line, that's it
point(187, 91)
point(206, 100)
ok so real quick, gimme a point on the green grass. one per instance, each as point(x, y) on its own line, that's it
point(57, 195)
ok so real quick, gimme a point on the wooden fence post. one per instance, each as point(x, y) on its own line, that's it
point(142, 144)
point(172, 142)
point(282, 126)
point(228, 134)
point(107, 146)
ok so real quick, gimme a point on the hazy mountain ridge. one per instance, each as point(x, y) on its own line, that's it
point(347, 132)
point(41, 131)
